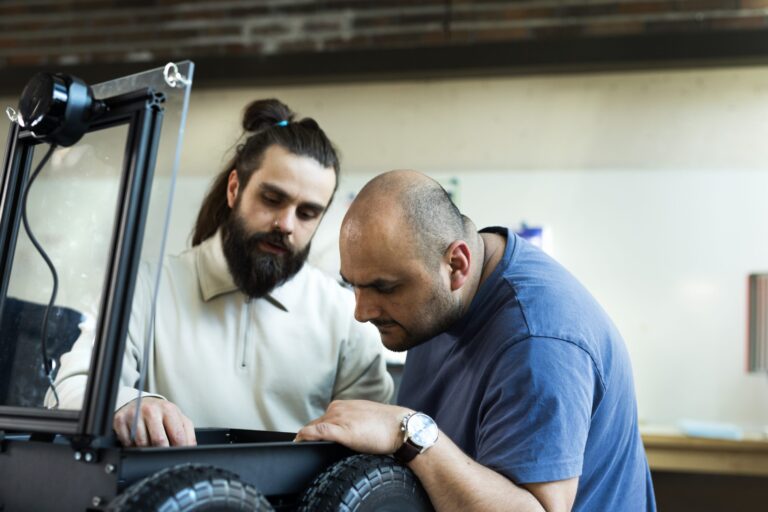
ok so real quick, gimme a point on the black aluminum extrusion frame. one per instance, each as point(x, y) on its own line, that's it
point(141, 110)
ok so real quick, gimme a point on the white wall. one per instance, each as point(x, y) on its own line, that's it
point(652, 183)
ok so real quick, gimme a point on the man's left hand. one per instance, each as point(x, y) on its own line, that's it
point(363, 426)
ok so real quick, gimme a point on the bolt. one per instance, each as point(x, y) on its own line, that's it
point(88, 457)
point(109, 469)
point(96, 501)
point(78, 455)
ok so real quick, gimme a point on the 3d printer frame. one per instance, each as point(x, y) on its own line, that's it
point(142, 112)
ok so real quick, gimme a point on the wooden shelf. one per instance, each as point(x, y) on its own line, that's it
point(713, 456)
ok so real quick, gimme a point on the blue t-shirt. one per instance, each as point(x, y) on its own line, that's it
point(535, 383)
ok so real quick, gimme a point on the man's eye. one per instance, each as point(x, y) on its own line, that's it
point(307, 214)
point(384, 290)
point(270, 199)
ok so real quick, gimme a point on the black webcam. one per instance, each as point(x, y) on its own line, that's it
point(57, 108)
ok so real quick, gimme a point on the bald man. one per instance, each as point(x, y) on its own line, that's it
point(517, 392)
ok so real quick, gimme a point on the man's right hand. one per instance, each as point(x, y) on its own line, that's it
point(161, 423)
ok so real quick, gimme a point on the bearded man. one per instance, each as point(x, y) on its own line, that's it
point(245, 334)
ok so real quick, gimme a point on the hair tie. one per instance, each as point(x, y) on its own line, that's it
point(282, 123)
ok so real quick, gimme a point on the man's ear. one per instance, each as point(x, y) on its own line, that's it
point(233, 187)
point(459, 259)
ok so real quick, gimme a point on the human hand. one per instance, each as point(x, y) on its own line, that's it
point(161, 423)
point(363, 426)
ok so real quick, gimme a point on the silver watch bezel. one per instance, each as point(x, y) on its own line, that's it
point(408, 434)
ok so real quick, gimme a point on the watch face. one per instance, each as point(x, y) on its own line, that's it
point(422, 430)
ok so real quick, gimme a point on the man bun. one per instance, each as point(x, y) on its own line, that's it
point(262, 114)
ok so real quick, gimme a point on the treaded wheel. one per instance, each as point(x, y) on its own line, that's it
point(363, 483)
point(190, 487)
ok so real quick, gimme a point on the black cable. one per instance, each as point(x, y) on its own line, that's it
point(47, 364)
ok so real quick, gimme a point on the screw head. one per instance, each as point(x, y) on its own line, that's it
point(78, 455)
point(109, 469)
point(96, 501)
point(88, 457)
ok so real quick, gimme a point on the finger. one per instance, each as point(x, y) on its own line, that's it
point(156, 429)
point(321, 431)
point(122, 430)
point(173, 423)
point(140, 438)
point(189, 429)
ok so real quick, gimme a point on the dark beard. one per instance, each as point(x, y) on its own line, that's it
point(255, 272)
point(440, 314)
point(434, 318)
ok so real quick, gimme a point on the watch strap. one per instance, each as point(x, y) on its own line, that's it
point(406, 453)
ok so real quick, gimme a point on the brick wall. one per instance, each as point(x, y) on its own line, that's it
point(57, 33)
point(39, 32)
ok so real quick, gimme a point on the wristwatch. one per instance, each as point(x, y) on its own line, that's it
point(419, 434)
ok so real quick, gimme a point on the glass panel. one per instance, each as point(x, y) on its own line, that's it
point(71, 210)
point(174, 117)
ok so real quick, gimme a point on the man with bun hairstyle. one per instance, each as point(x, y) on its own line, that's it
point(517, 392)
point(245, 335)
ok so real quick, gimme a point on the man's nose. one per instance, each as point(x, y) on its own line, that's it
point(286, 220)
point(365, 308)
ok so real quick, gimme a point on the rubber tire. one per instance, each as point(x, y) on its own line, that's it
point(366, 483)
point(190, 487)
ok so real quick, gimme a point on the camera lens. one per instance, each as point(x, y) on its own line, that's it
point(42, 103)
point(57, 108)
